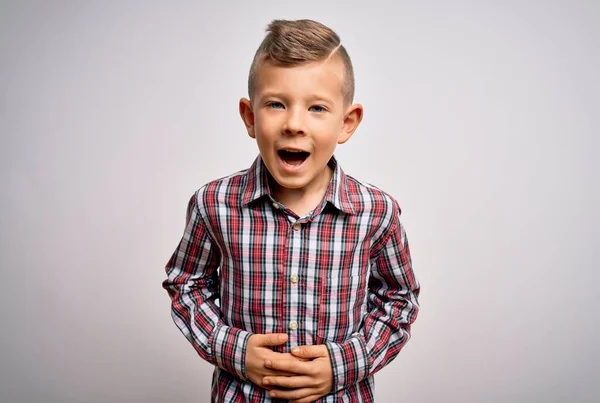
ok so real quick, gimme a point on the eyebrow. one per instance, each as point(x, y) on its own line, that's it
point(268, 94)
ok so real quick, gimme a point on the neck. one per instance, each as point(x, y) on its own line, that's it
point(303, 200)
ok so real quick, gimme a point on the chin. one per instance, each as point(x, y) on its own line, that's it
point(290, 183)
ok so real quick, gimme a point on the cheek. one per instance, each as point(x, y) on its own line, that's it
point(328, 136)
point(262, 133)
point(266, 127)
point(263, 143)
point(331, 126)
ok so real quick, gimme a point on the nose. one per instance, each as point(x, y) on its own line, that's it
point(294, 123)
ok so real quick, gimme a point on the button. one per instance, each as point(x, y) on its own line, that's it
point(293, 325)
point(297, 226)
point(294, 278)
point(276, 206)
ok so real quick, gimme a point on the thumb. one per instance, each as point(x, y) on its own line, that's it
point(272, 339)
point(310, 351)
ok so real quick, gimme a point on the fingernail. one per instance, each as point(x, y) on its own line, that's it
point(268, 363)
point(295, 350)
point(266, 381)
point(282, 337)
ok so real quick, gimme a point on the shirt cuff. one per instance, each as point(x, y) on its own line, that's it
point(349, 362)
point(229, 349)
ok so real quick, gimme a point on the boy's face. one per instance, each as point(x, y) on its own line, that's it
point(298, 116)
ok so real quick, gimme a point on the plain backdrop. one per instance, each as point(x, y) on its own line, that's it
point(481, 118)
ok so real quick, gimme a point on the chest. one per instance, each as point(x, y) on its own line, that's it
point(259, 241)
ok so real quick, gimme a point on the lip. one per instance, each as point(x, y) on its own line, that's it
point(293, 149)
point(291, 169)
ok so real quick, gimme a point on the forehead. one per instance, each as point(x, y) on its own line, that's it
point(311, 78)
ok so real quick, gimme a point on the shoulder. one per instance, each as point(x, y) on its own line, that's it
point(369, 199)
point(377, 208)
point(225, 191)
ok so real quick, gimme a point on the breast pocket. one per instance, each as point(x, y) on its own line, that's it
point(342, 305)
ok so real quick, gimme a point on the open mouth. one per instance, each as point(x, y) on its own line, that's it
point(293, 157)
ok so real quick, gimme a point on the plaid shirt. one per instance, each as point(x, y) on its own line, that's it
point(339, 276)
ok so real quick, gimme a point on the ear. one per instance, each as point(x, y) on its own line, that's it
point(247, 116)
point(353, 117)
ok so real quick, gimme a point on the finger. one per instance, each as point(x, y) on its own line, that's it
point(268, 374)
point(271, 339)
point(294, 394)
point(287, 356)
point(294, 366)
point(290, 382)
point(273, 356)
point(316, 351)
point(273, 372)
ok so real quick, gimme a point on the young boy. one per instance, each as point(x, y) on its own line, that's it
point(293, 278)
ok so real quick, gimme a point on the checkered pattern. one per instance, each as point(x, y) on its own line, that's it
point(339, 276)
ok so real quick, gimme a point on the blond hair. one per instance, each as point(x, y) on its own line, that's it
point(291, 43)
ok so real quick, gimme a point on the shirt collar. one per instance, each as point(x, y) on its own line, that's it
point(258, 177)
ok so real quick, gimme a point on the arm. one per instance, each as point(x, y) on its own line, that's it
point(392, 308)
point(193, 285)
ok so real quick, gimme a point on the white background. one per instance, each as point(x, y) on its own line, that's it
point(481, 118)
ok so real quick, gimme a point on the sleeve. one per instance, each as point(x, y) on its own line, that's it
point(392, 307)
point(193, 285)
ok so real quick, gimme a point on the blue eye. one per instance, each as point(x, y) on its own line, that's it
point(276, 105)
point(317, 108)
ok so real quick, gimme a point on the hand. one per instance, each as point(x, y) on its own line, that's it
point(311, 380)
point(258, 351)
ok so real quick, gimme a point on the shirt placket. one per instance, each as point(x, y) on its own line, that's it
point(291, 275)
point(292, 278)
point(288, 252)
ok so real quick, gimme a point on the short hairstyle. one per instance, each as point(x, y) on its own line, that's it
point(292, 43)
